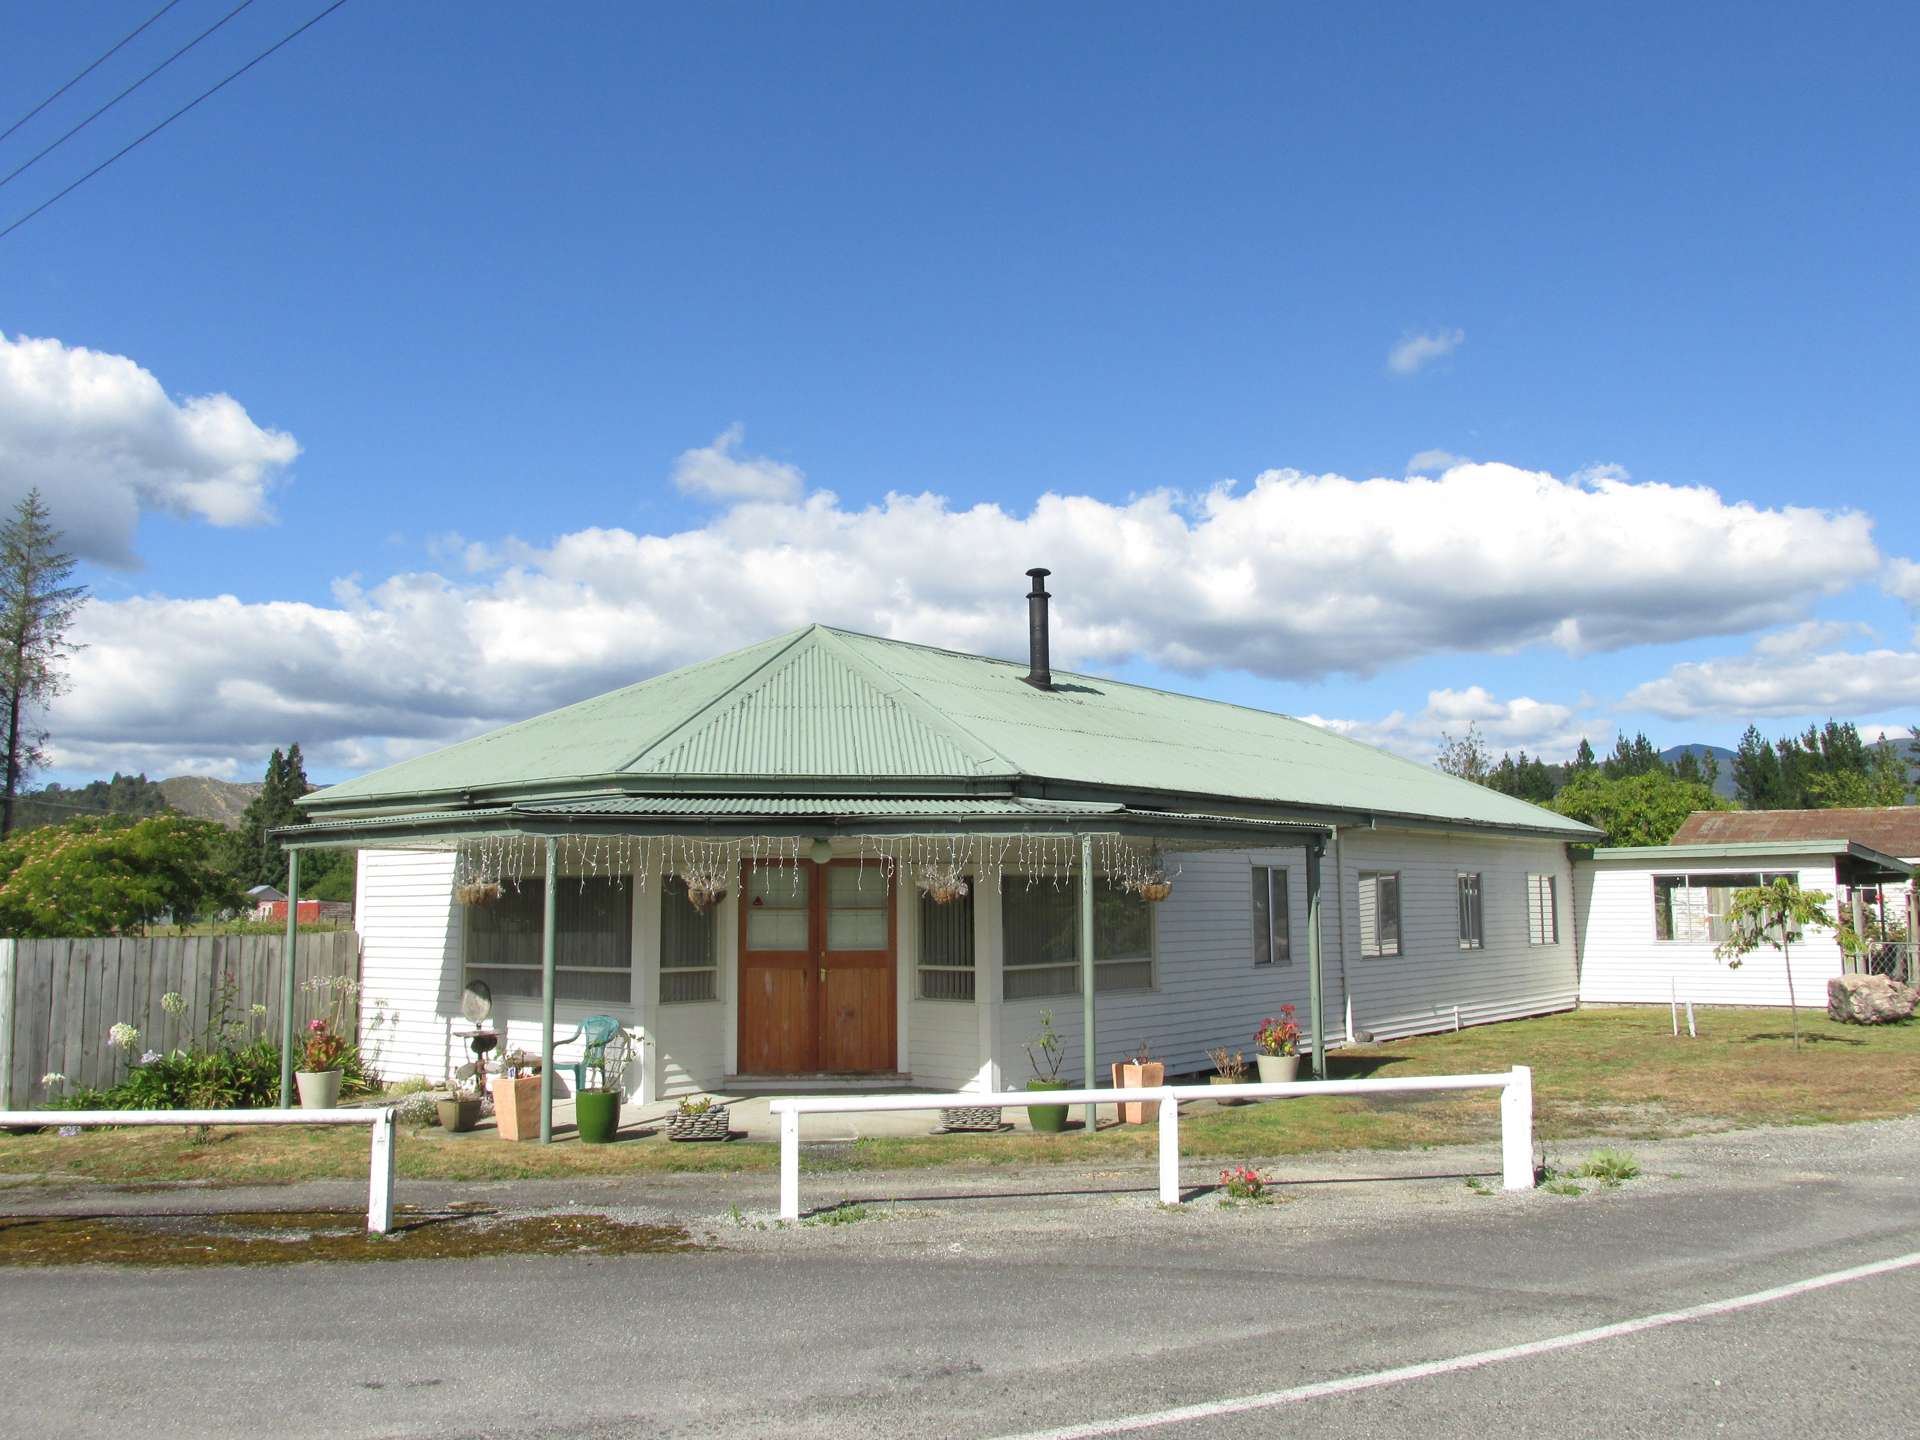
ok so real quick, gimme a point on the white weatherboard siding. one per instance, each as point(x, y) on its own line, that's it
point(409, 958)
point(1207, 990)
point(1416, 991)
point(1621, 963)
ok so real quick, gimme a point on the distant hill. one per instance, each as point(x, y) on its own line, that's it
point(1723, 784)
point(205, 798)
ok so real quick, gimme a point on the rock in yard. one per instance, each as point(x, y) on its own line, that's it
point(1868, 999)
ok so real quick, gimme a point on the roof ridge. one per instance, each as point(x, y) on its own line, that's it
point(726, 695)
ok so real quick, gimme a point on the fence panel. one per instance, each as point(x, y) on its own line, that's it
point(66, 994)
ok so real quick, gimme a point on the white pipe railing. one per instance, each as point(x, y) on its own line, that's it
point(379, 1118)
point(1516, 1115)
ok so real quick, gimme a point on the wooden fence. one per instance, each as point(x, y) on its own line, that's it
point(58, 998)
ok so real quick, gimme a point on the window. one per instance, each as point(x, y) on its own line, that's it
point(1272, 942)
point(687, 967)
point(946, 948)
point(1040, 935)
point(1693, 908)
point(1379, 912)
point(1543, 918)
point(592, 941)
point(1472, 933)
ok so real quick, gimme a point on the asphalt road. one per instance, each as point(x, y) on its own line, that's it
point(994, 1317)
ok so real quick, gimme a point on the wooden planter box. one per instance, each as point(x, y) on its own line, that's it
point(516, 1106)
point(1129, 1076)
point(710, 1124)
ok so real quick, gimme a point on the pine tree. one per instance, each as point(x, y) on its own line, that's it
point(1756, 773)
point(254, 857)
point(1583, 757)
point(36, 607)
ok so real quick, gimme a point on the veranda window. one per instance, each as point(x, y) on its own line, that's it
point(1040, 933)
point(592, 941)
point(1272, 942)
point(688, 968)
point(946, 948)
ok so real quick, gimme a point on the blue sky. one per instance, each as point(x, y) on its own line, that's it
point(499, 271)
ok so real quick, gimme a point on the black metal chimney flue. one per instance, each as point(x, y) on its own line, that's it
point(1040, 667)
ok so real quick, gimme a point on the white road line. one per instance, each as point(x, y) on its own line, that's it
point(1347, 1385)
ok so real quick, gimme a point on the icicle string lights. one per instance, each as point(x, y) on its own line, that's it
point(934, 863)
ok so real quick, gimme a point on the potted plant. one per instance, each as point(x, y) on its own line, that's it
point(1051, 1119)
point(596, 1106)
point(320, 1066)
point(1230, 1068)
point(1136, 1072)
point(460, 1111)
point(516, 1096)
point(698, 1117)
point(1279, 1040)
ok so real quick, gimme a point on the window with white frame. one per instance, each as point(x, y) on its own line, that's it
point(1693, 908)
point(1379, 913)
point(592, 940)
point(1472, 930)
point(946, 948)
point(688, 964)
point(1543, 914)
point(1272, 937)
point(1040, 938)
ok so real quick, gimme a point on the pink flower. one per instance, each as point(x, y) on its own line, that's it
point(318, 1027)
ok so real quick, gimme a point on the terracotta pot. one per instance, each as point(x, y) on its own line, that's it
point(516, 1106)
point(1278, 1069)
point(1229, 1080)
point(1130, 1075)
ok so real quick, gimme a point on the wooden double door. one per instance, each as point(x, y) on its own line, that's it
point(817, 954)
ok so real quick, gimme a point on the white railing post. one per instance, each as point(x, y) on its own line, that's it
point(789, 1165)
point(1169, 1148)
point(380, 1178)
point(1516, 1131)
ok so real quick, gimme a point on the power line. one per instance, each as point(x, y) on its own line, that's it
point(203, 95)
point(88, 71)
point(129, 90)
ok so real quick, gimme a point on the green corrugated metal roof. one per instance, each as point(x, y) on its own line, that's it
point(1749, 850)
point(822, 704)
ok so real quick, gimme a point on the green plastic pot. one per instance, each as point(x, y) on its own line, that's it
point(596, 1114)
point(1048, 1119)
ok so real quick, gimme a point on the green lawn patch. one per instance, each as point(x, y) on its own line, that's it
point(1615, 1073)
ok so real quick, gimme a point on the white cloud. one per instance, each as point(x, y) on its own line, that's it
point(103, 440)
point(1539, 727)
point(1901, 579)
point(1414, 352)
point(720, 472)
point(1435, 462)
point(1293, 577)
point(1808, 637)
point(1785, 681)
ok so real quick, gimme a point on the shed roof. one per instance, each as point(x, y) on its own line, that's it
point(1856, 863)
point(822, 710)
point(1891, 829)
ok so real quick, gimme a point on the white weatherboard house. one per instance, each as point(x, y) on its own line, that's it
point(1650, 917)
point(827, 786)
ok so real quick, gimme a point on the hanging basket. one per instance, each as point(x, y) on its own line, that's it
point(704, 897)
point(1155, 890)
point(479, 892)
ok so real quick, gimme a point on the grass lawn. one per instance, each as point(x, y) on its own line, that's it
point(1597, 1073)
